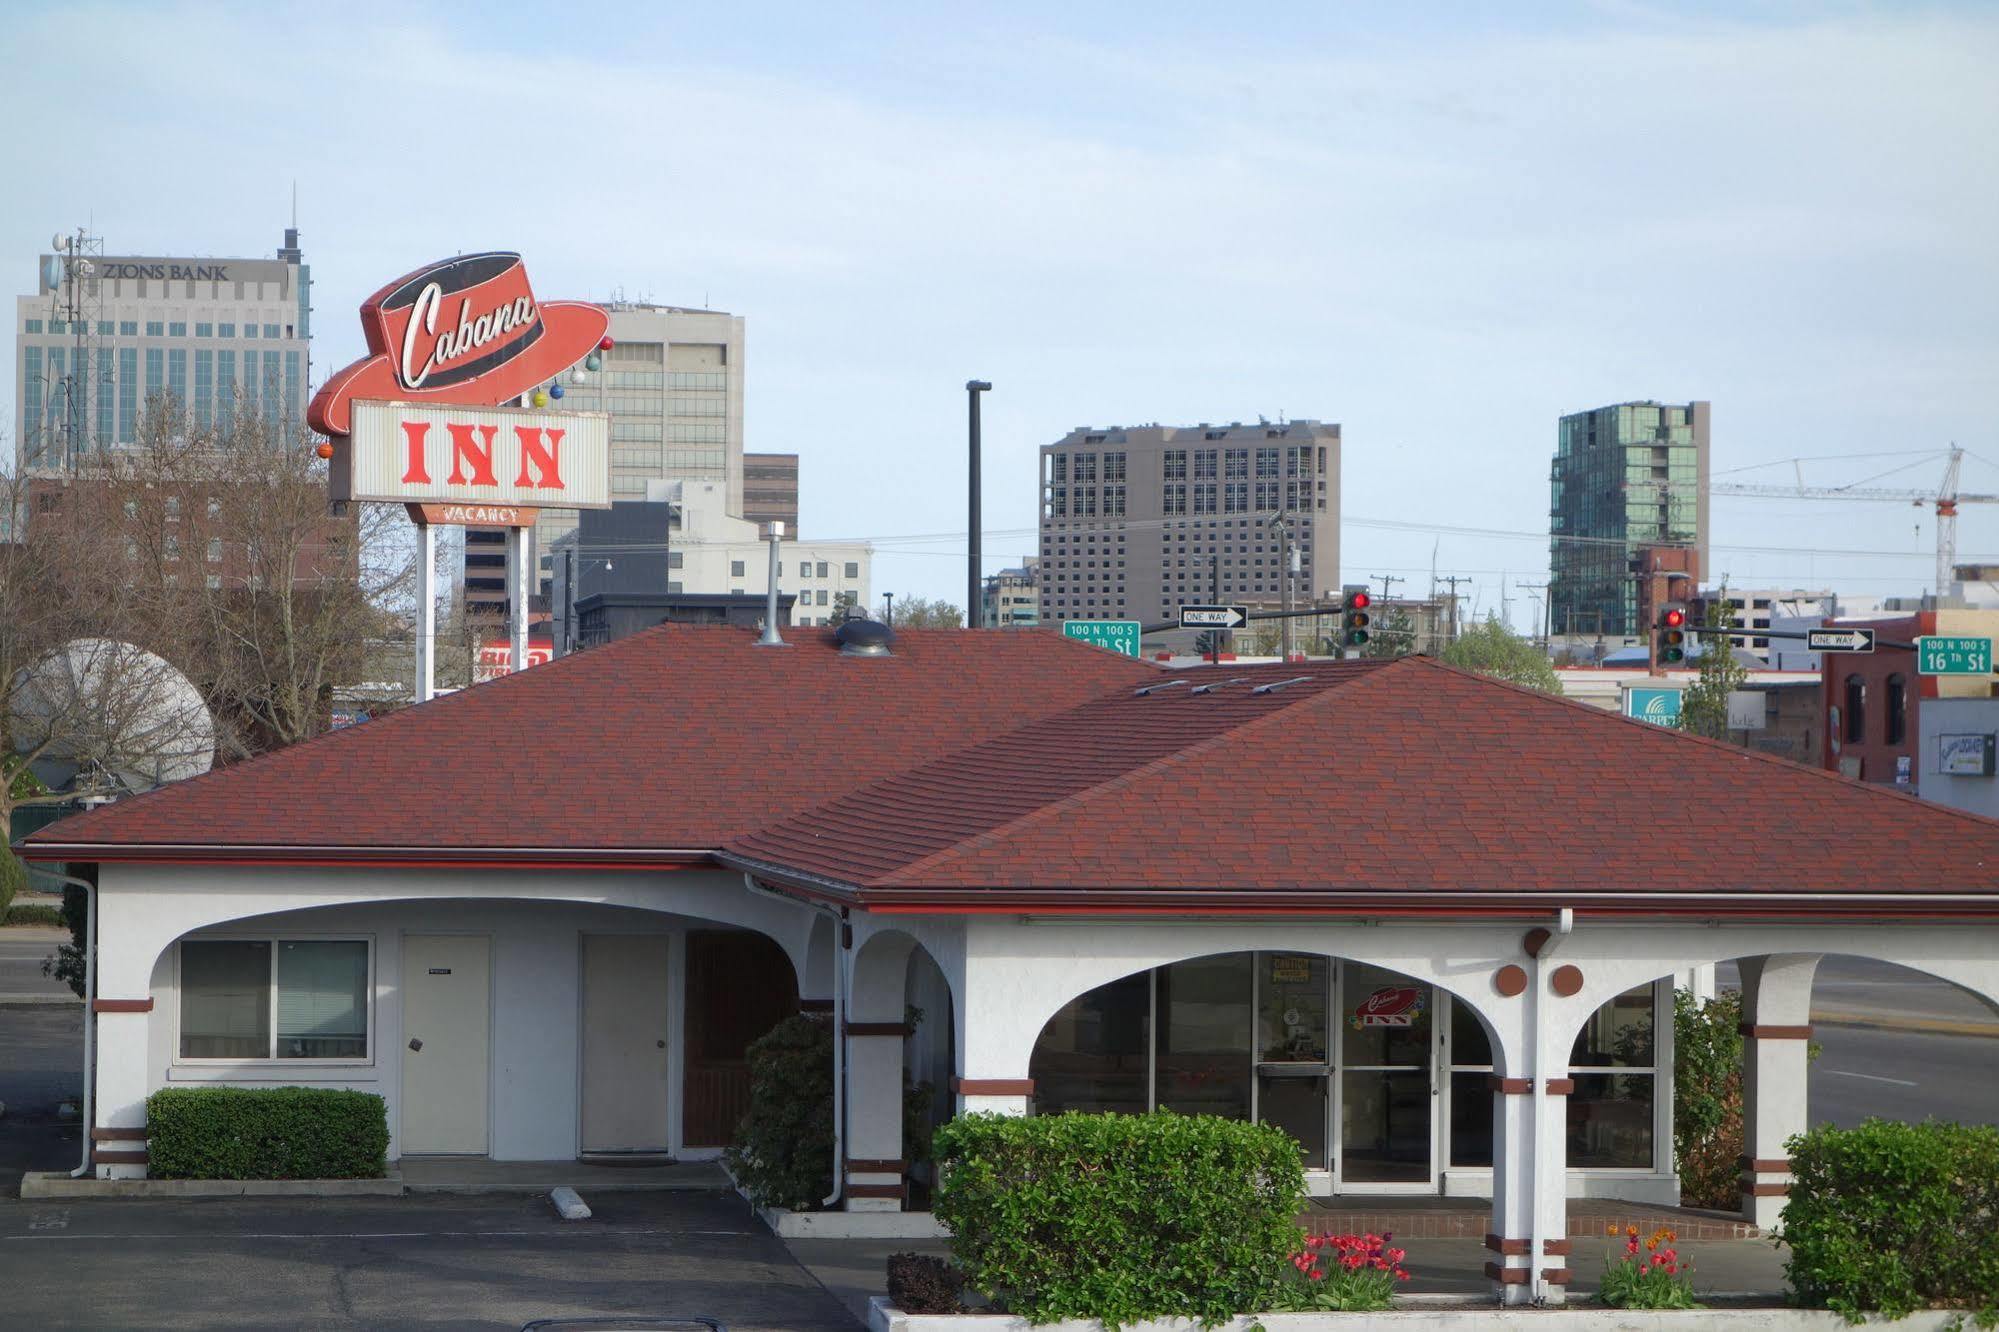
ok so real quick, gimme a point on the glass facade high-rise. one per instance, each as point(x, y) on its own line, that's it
point(1624, 477)
point(94, 346)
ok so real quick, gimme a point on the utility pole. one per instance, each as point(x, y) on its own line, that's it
point(973, 582)
point(1385, 580)
point(1454, 580)
point(1540, 602)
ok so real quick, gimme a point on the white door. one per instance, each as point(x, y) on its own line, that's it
point(447, 1026)
point(624, 1042)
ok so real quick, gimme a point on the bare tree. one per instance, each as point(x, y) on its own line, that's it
point(231, 568)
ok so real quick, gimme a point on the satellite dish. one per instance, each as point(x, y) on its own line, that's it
point(59, 242)
point(107, 706)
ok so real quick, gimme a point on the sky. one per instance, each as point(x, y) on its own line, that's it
point(1440, 226)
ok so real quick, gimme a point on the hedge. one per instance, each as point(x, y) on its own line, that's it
point(1120, 1217)
point(266, 1133)
point(1894, 1217)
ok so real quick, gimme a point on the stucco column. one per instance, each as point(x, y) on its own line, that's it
point(1002, 1006)
point(128, 948)
point(1776, 1034)
point(1512, 1189)
point(874, 1165)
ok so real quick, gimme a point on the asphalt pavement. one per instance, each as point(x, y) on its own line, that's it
point(22, 949)
point(1895, 1074)
point(442, 1262)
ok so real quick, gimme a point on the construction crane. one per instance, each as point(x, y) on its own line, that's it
point(1945, 499)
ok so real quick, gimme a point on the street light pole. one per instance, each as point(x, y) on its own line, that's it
point(973, 388)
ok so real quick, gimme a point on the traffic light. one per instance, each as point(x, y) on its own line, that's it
point(1354, 618)
point(1672, 633)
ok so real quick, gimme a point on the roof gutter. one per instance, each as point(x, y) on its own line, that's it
point(436, 857)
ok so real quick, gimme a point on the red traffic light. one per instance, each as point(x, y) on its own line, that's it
point(1360, 601)
point(1673, 619)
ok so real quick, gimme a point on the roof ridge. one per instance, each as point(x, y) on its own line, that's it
point(1737, 751)
point(1129, 776)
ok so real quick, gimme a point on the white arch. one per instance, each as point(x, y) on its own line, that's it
point(1019, 975)
point(144, 909)
point(1615, 956)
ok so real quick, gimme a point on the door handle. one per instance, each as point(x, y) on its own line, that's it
point(661, 1045)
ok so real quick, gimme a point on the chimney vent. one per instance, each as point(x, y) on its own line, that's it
point(864, 638)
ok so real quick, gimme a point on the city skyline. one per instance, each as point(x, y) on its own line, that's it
point(1433, 229)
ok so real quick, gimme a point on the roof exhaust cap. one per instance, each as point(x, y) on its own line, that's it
point(864, 638)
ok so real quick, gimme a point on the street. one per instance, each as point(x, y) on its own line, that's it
point(1912, 1075)
point(21, 953)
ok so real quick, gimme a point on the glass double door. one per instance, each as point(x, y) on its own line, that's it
point(1346, 1064)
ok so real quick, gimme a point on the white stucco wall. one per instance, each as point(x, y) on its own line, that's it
point(535, 959)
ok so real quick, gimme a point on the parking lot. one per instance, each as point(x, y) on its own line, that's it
point(433, 1261)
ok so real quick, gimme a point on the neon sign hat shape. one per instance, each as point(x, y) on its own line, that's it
point(466, 330)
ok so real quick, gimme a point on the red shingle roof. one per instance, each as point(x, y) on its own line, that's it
point(676, 739)
point(1365, 785)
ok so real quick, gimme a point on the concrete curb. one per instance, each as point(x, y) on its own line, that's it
point(1465, 1312)
point(57, 1184)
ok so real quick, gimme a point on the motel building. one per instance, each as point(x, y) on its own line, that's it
point(1397, 909)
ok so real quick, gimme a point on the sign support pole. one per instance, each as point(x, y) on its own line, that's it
point(426, 612)
point(517, 597)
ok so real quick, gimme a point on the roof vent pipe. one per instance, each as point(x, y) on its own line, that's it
point(770, 638)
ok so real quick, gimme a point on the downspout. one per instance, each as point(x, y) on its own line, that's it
point(89, 993)
point(839, 1026)
point(1537, 1286)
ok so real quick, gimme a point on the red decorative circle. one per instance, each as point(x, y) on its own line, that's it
point(604, 343)
point(324, 450)
point(1510, 980)
point(1567, 981)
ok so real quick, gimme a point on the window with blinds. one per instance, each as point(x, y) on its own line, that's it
point(274, 999)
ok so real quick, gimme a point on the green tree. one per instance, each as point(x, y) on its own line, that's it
point(1493, 649)
point(1392, 634)
point(923, 613)
point(1704, 705)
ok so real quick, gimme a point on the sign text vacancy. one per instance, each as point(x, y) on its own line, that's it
point(411, 453)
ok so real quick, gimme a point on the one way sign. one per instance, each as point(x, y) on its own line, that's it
point(1839, 640)
point(1213, 617)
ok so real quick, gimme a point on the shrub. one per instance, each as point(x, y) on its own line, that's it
point(783, 1152)
point(1894, 1217)
point(1120, 1217)
point(266, 1133)
point(920, 1283)
point(13, 879)
point(1707, 1098)
point(783, 1149)
point(33, 913)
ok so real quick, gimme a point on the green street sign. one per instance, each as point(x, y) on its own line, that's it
point(1116, 635)
point(1941, 655)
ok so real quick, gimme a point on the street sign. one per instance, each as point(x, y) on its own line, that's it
point(1112, 635)
point(1213, 617)
point(1661, 707)
point(1939, 654)
point(1839, 640)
